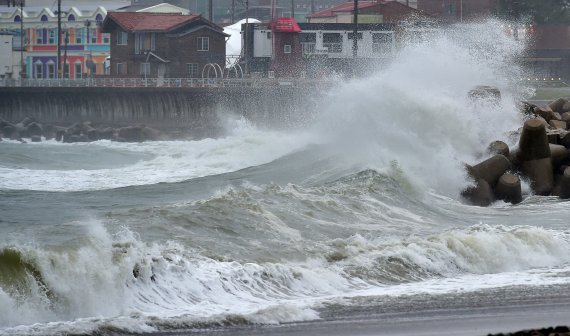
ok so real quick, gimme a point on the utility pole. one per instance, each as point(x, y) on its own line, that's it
point(233, 11)
point(293, 9)
point(210, 11)
point(22, 45)
point(58, 39)
point(245, 53)
point(355, 32)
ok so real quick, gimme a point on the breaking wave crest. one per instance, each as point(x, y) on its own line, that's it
point(164, 286)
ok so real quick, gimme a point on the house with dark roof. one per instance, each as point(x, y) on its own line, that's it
point(163, 45)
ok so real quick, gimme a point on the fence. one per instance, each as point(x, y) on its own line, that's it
point(159, 82)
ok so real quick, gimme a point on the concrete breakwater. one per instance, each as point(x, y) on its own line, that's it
point(157, 107)
point(542, 158)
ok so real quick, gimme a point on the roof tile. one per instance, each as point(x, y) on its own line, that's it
point(144, 21)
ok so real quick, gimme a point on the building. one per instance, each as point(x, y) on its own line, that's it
point(6, 56)
point(163, 45)
point(458, 10)
point(368, 12)
point(159, 8)
point(549, 54)
point(324, 48)
point(83, 46)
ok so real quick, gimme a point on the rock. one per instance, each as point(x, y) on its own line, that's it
point(491, 169)
point(498, 147)
point(131, 134)
point(150, 134)
point(36, 138)
point(48, 131)
point(557, 105)
point(8, 129)
point(479, 194)
point(540, 173)
point(92, 134)
point(565, 184)
point(59, 132)
point(528, 108)
point(34, 129)
point(566, 106)
point(558, 154)
point(533, 143)
point(26, 121)
point(509, 189)
point(544, 112)
point(534, 152)
point(74, 129)
point(557, 124)
point(106, 133)
point(566, 116)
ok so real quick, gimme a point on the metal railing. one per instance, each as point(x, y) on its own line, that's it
point(159, 82)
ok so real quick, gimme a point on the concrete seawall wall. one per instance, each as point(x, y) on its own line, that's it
point(160, 107)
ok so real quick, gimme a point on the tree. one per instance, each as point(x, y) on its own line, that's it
point(540, 11)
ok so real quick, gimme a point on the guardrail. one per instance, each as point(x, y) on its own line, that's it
point(160, 82)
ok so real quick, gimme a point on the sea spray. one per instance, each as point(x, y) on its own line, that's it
point(416, 110)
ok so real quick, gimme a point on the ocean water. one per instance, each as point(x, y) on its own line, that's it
point(275, 225)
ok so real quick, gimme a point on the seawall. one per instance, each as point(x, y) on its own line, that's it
point(159, 107)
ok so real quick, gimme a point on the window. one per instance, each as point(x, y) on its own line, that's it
point(308, 37)
point(106, 38)
point(78, 70)
point(99, 18)
point(144, 42)
point(51, 36)
point(44, 18)
point(39, 36)
point(121, 68)
point(145, 69)
point(51, 70)
point(308, 42)
point(122, 38)
point(287, 49)
point(39, 69)
point(71, 17)
point(203, 43)
point(382, 43)
point(79, 36)
point(66, 70)
point(17, 18)
point(93, 35)
point(332, 42)
point(351, 35)
point(192, 69)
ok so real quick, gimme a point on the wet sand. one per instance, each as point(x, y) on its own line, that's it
point(503, 310)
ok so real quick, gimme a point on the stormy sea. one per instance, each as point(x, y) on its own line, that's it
point(349, 223)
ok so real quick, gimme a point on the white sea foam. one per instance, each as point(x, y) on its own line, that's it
point(116, 280)
point(173, 161)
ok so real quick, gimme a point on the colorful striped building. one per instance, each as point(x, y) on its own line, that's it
point(84, 48)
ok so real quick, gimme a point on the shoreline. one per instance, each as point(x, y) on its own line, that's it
point(498, 311)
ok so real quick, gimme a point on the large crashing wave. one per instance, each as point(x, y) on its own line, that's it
point(416, 111)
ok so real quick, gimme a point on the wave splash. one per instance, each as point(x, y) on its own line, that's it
point(117, 281)
point(416, 110)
